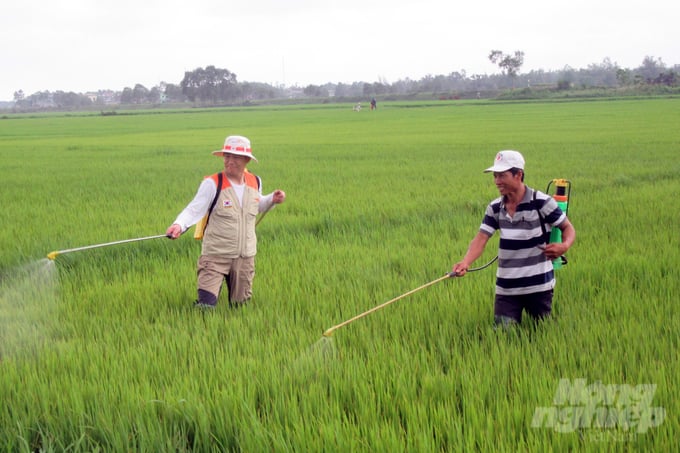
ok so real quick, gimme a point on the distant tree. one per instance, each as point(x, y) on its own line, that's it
point(252, 91)
point(509, 64)
point(603, 74)
point(315, 91)
point(173, 93)
point(137, 95)
point(405, 86)
point(140, 94)
point(650, 68)
point(563, 85)
point(380, 87)
point(39, 100)
point(19, 95)
point(377, 88)
point(457, 76)
point(209, 85)
point(624, 76)
point(341, 90)
point(669, 78)
point(69, 100)
point(156, 95)
point(126, 96)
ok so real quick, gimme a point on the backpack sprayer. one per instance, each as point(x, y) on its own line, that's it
point(561, 196)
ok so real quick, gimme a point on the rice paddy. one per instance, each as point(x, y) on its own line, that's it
point(101, 349)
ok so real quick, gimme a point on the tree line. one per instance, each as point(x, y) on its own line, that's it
point(217, 86)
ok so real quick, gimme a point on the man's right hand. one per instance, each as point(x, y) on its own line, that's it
point(460, 269)
point(174, 231)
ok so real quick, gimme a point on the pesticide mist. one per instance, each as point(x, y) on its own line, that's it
point(28, 297)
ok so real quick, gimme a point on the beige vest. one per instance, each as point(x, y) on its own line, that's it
point(231, 230)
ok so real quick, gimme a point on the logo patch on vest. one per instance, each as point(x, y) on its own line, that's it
point(227, 204)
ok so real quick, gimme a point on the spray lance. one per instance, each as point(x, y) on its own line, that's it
point(53, 255)
point(561, 196)
point(448, 275)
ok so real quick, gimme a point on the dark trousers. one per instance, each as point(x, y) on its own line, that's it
point(510, 308)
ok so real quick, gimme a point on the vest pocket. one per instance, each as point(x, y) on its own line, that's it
point(253, 209)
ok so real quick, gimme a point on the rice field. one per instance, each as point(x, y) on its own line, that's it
point(101, 349)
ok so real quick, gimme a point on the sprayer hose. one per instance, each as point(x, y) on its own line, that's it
point(484, 266)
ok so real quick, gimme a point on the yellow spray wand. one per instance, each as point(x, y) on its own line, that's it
point(330, 331)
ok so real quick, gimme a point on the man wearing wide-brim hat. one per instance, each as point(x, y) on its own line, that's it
point(224, 211)
point(523, 216)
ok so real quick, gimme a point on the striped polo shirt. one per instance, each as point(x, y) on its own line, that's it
point(522, 266)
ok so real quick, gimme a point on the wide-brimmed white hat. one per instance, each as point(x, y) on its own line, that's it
point(505, 160)
point(237, 145)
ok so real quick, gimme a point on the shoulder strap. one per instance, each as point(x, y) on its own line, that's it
point(546, 236)
point(253, 180)
point(217, 194)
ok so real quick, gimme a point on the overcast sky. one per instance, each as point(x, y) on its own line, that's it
point(86, 45)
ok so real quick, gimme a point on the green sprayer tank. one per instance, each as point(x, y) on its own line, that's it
point(561, 196)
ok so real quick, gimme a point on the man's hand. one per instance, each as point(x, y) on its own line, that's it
point(460, 269)
point(174, 231)
point(279, 196)
point(554, 250)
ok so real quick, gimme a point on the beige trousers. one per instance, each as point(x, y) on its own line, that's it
point(238, 273)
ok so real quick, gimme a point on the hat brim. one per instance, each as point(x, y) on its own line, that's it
point(498, 168)
point(221, 153)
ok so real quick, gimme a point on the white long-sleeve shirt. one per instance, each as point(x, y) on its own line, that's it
point(197, 208)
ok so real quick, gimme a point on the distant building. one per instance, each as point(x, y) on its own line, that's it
point(295, 92)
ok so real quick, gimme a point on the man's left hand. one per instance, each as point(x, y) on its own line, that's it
point(279, 196)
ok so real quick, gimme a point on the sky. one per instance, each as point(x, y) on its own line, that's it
point(88, 45)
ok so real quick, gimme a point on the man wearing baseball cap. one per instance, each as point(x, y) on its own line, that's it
point(523, 216)
point(225, 208)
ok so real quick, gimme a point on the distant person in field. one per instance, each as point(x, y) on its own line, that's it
point(525, 278)
point(231, 200)
point(374, 104)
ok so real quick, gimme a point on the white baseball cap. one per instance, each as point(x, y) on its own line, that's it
point(237, 145)
point(505, 160)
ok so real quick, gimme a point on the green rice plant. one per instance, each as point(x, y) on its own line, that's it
point(105, 351)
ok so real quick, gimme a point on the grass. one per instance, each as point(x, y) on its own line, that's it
point(378, 203)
